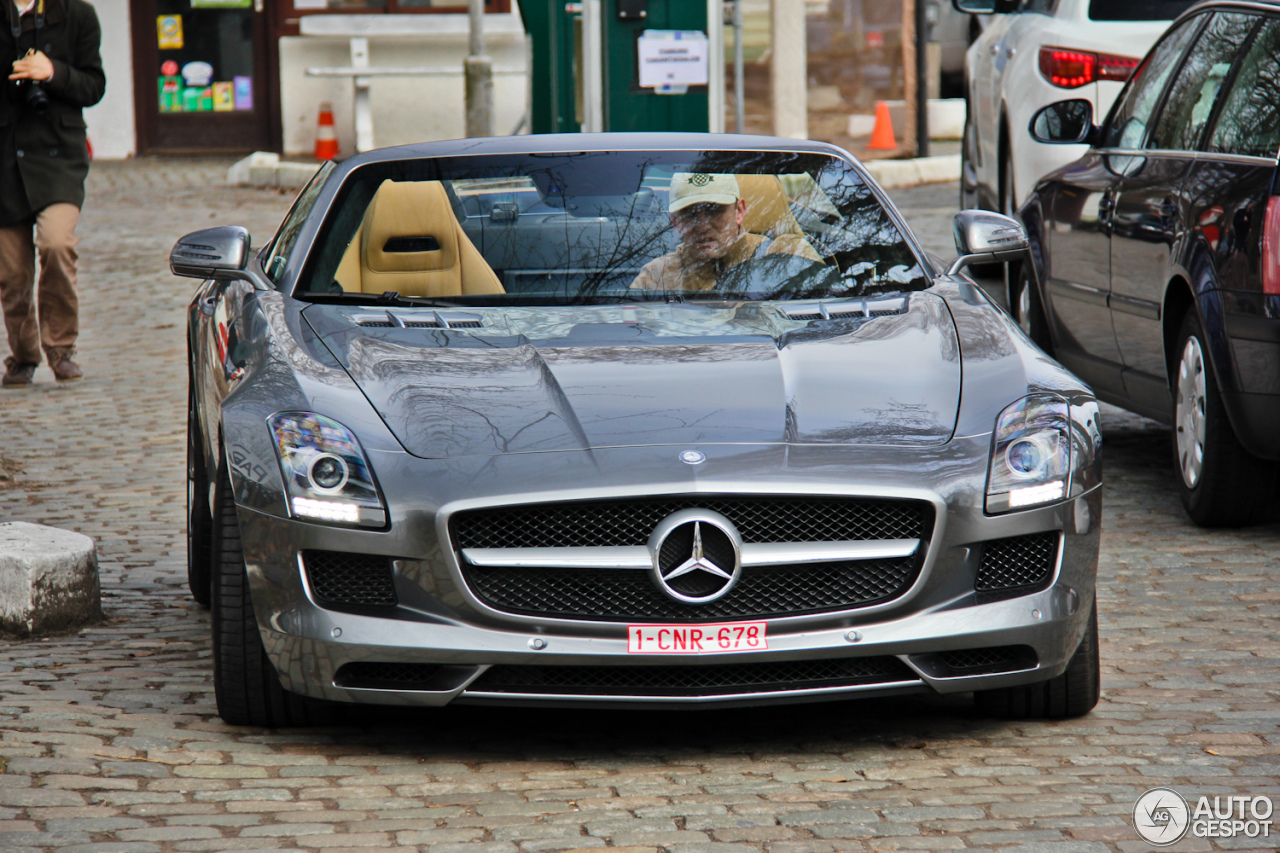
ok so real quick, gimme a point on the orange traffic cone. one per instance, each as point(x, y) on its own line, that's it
point(326, 136)
point(882, 134)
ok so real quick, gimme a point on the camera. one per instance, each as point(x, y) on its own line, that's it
point(34, 95)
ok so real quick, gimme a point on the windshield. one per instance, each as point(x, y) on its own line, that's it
point(573, 228)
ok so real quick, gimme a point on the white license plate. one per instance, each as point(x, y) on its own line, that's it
point(697, 639)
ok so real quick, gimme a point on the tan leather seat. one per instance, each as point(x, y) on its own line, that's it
point(411, 243)
point(767, 210)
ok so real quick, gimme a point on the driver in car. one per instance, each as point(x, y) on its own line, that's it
point(708, 211)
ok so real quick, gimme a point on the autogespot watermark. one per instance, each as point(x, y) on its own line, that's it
point(1162, 817)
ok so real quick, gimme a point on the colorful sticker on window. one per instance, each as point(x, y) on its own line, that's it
point(169, 32)
point(243, 92)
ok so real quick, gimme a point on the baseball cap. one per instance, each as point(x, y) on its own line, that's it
point(697, 187)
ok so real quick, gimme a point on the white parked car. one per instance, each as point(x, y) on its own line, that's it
point(1032, 53)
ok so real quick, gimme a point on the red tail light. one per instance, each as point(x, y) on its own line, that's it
point(1071, 69)
point(1271, 248)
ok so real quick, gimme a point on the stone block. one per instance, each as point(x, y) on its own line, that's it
point(48, 579)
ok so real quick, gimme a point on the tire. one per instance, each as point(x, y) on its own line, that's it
point(1220, 482)
point(1072, 694)
point(1027, 308)
point(245, 684)
point(199, 517)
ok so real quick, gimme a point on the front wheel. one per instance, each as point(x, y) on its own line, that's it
point(1072, 694)
point(199, 518)
point(245, 684)
point(1220, 482)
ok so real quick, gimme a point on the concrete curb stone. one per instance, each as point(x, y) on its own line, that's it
point(48, 579)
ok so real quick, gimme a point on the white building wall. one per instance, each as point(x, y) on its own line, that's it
point(111, 123)
point(405, 109)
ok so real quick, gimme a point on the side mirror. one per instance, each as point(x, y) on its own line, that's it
point(983, 237)
point(1064, 123)
point(221, 252)
point(985, 7)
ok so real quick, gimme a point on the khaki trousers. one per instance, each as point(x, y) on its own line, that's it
point(52, 318)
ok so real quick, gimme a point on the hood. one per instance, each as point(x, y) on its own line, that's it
point(488, 381)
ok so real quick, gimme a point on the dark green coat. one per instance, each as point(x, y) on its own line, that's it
point(43, 157)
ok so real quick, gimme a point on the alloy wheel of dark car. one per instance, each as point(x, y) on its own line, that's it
point(1221, 483)
point(968, 171)
point(1072, 694)
point(1008, 193)
point(1027, 309)
point(246, 686)
point(199, 519)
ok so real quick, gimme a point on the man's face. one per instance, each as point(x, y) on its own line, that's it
point(708, 230)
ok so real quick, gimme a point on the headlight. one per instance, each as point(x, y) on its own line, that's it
point(325, 473)
point(1031, 457)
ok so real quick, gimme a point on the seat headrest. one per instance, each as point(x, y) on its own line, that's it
point(767, 210)
point(412, 243)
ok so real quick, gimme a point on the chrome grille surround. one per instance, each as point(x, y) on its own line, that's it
point(886, 541)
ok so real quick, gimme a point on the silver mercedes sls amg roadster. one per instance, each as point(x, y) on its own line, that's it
point(635, 420)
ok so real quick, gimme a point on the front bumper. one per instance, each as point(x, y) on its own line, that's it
point(447, 646)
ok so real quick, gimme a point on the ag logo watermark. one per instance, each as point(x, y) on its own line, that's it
point(1162, 817)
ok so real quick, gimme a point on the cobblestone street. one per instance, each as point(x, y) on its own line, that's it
point(109, 741)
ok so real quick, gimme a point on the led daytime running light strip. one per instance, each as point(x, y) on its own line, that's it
point(326, 510)
point(1037, 494)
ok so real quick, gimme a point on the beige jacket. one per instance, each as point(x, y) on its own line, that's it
point(677, 271)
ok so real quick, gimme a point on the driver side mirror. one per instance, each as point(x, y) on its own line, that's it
point(985, 7)
point(221, 253)
point(1064, 123)
point(983, 237)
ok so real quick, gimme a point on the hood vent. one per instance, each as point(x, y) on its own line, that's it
point(419, 320)
point(866, 308)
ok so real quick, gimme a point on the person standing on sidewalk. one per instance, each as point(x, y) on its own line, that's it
point(52, 48)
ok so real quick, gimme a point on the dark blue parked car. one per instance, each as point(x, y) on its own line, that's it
point(1156, 273)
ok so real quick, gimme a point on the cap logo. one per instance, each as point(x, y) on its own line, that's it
point(699, 180)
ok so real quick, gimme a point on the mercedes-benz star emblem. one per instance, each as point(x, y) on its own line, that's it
point(693, 457)
point(696, 556)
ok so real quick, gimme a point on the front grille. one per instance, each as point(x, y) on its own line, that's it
point(692, 680)
point(1016, 566)
point(630, 594)
point(629, 522)
point(339, 579)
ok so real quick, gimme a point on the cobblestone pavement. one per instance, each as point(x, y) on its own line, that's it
point(109, 741)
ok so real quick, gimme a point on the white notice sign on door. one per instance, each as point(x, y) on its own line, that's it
point(672, 58)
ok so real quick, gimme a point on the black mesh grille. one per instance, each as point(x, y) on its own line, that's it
point(388, 676)
point(629, 522)
point(1018, 565)
point(342, 579)
point(693, 680)
point(630, 594)
point(993, 659)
